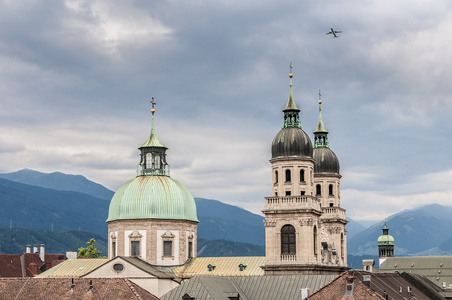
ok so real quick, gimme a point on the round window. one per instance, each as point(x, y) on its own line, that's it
point(118, 267)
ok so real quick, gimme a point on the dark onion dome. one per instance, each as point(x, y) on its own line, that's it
point(325, 161)
point(291, 141)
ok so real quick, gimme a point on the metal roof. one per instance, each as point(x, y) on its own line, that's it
point(283, 287)
point(73, 267)
point(223, 266)
point(152, 197)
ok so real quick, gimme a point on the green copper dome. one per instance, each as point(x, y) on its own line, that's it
point(153, 194)
point(386, 239)
point(152, 197)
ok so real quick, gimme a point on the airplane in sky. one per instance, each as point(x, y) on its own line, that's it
point(334, 32)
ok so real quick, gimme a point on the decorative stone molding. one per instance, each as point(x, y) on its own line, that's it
point(334, 230)
point(269, 223)
point(113, 235)
point(168, 234)
point(307, 222)
point(135, 235)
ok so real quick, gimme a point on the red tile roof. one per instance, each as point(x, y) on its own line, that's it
point(18, 265)
point(67, 288)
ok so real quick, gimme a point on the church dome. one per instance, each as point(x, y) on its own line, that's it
point(152, 197)
point(386, 239)
point(291, 141)
point(325, 161)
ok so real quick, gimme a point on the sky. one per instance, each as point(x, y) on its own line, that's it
point(76, 78)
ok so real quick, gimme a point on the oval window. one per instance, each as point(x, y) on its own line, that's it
point(118, 267)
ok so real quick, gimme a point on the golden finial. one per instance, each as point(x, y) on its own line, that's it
point(153, 104)
point(320, 98)
point(290, 67)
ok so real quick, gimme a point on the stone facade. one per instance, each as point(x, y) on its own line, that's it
point(180, 237)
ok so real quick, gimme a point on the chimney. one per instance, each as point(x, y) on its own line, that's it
point(33, 269)
point(349, 283)
point(35, 248)
point(42, 254)
point(28, 249)
point(304, 293)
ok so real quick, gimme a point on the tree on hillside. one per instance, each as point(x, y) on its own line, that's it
point(89, 251)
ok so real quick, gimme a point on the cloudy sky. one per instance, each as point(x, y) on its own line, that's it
point(76, 78)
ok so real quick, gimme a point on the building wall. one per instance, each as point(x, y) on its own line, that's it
point(151, 236)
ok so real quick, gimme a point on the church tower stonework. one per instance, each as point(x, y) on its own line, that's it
point(304, 227)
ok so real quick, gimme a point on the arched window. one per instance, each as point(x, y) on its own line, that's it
point(148, 160)
point(157, 161)
point(288, 240)
point(330, 189)
point(342, 246)
point(276, 176)
point(302, 175)
point(315, 241)
point(318, 190)
point(288, 179)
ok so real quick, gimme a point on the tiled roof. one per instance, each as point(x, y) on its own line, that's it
point(282, 287)
point(438, 269)
point(18, 265)
point(391, 284)
point(67, 288)
point(223, 266)
point(73, 268)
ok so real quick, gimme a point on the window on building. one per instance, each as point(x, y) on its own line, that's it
point(190, 249)
point(288, 193)
point(276, 176)
point(148, 160)
point(288, 243)
point(318, 190)
point(167, 248)
point(276, 194)
point(303, 193)
point(330, 189)
point(135, 248)
point(113, 249)
point(288, 177)
point(302, 175)
point(315, 241)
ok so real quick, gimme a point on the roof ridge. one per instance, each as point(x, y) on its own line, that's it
point(132, 288)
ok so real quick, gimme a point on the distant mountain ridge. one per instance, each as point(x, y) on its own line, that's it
point(43, 208)
point(60, 182)
point(420, 231)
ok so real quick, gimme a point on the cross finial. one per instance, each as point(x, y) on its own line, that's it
point(153, 104)
point(290, 67)
point(320, 95)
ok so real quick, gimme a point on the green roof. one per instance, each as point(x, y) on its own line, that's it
point(152, 197)
point(386, 240)
point(153, 140)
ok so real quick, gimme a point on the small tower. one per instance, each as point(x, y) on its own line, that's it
point(385, 245)
point(327, 190)
point(153, 217)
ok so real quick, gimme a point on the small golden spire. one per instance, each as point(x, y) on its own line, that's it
point(320, 98)
point(290, 67)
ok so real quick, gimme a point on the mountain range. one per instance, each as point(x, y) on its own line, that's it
point(57, 201)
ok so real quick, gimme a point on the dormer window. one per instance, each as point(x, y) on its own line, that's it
point(242, 267)
point(210, 267)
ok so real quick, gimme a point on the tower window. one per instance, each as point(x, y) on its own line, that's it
point(302, 175)
point(288, 177)
point(288, 193)
point(190, 249)
point(318, 190)
point(113, 249)
point(288, 242)
point(135, 248)
point(330, 190)
point(276, 176)
point(303, 193)
point(167, 248)
point(315, 240)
